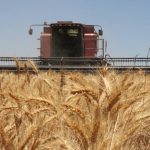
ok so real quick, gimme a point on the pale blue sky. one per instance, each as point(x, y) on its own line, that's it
point(126, 23)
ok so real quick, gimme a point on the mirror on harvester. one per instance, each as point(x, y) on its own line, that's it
point(100, 32)
point(30, 31)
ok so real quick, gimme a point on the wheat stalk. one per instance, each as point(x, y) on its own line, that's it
point(78, 134)
point(28, 134)
point(40, 100)
point(34, 67)
point(18, 67)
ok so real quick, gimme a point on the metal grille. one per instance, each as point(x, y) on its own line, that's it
point(128, 62)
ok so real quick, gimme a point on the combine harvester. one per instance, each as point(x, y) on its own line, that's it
point(73, 46)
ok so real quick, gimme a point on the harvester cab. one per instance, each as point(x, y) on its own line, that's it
point(68, 39)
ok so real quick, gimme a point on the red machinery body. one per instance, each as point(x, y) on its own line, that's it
point(68, 39)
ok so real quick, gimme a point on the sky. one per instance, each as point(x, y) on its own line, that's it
point(125, 23)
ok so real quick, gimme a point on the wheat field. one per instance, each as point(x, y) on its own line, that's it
point(75, 111)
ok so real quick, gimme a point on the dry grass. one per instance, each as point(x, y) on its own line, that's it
point(74, 111)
